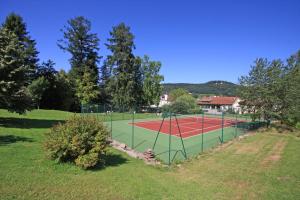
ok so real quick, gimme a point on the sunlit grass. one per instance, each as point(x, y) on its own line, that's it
point(261, 166)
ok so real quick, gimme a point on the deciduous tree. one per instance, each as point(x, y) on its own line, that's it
point(37, 89)
point(152, 88)
point(175, 93)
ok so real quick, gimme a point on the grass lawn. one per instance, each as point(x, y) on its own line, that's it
point(262, 166)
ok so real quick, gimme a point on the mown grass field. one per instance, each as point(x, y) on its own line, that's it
point(261, 166)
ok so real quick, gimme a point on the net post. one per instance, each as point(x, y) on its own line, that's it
point(202, 132)
point(158, 133)
point(170, 129)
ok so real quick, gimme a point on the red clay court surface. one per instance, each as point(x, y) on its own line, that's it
point(187, 127)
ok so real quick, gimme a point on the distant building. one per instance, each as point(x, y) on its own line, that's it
point(218, 104)
point(163, 101)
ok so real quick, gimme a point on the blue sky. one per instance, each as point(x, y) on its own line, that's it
point(196, 41)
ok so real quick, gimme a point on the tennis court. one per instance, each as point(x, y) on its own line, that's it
point(173, 137)
point(187, 126)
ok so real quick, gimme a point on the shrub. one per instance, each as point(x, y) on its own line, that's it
point(185, 104)
point(298, 125)
point(82, 139)
point(196, 110)
point(180, 107)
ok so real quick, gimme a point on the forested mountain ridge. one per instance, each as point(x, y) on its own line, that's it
point(212, 87)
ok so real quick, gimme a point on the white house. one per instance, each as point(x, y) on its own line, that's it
point(164, 100)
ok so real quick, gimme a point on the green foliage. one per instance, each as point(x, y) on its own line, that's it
point(18, 60)
point(175, 93)
point(63, 91)
point(166, 108)
point(125, 84)
point(271, 90)
point(87, 90)
point(88, 160)
point(180, 107)
point(106, 73)
point(152, 88)
point(298, 125)
point(37, 89)
point(15, 24)
point(59, 95)
point(14, 72)
point(196, 110)
point(292, 80)
point(254, 89)
point(83, 47)
point(82, 139)
point(184, 104)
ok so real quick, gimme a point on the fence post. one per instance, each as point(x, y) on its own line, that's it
point(111, 124)
point(97, 114)
point(222, 127)
point(132, 137)
point(202, 132)
point(170, 129)
point(236, 123)
point(104, 113)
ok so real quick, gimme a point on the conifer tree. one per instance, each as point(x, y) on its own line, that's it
point(83, 47)
point(14, 72)
point(125, 83)
point(14, 23)
point(87, 90)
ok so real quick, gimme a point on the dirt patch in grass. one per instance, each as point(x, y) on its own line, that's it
point(275, 154)
point(250, 148)
point(247, 149)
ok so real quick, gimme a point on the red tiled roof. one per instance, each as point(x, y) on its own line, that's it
point(216, 100)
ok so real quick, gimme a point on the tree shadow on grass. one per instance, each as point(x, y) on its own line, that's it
point(9, 139)
point(111, 160)
point(23, 123)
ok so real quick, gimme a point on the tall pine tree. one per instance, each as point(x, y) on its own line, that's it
point(15, 24)
point(14, 72)
point(83, 47)
point(125, 84)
